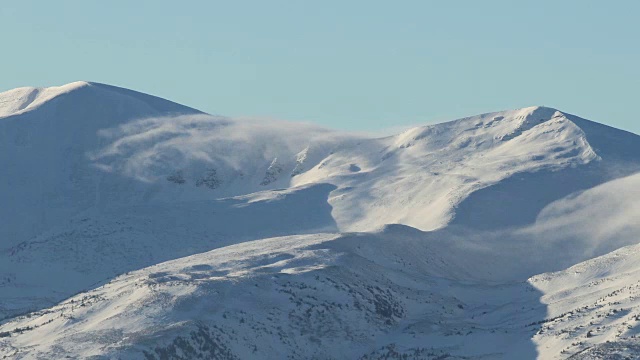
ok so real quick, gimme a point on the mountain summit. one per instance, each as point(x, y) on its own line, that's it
point(83, 95)
point(134, 225)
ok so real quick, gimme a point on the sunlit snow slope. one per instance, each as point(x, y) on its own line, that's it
point(252, 217)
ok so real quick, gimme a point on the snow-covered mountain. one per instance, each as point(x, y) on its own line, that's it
point(135, 227)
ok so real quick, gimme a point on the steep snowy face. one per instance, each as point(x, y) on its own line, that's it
point(416, 178)
point(419, 177)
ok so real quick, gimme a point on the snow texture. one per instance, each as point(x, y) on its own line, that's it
point(134, 227)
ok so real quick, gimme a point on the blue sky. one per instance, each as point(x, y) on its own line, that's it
point(357, 65)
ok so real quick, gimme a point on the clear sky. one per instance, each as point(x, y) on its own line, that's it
point(357, 65)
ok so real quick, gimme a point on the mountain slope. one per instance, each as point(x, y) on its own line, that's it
point(209, 216)
point(389, 294)
point(384, 295)
point(285, 297)
point(46, 177)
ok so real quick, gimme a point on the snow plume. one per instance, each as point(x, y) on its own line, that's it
point(147, 149)
point(596, 221)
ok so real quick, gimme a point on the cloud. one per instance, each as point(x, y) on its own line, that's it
point(148, 149)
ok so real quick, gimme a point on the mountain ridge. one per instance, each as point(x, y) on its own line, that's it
point(127, 199)
point(34, 97)
point(76, 85)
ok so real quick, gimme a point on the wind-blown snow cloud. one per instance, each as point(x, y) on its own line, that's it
point(148, 148)
point(596, 221)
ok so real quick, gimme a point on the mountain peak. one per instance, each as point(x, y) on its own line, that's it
point(539, 108)
point(19, 100)
point(76, 84)
point(446, 223)
point(25, 99)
